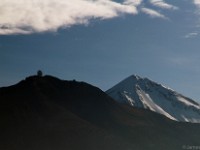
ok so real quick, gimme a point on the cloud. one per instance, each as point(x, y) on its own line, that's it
point(162, 4)
point(196, 2)
point(190, 61)
point(152, 13)
point(191, 35)
point(180, 61)
point(133, 2)
point(28, 16)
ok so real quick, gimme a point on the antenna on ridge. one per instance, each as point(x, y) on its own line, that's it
point(39, 73)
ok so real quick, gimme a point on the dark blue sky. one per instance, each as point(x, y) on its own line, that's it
point(104, 52)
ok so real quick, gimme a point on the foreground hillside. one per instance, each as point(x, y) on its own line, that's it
point(42, 113)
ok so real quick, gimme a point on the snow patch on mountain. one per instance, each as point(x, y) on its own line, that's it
point(147, 94)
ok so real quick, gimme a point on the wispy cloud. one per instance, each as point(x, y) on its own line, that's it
point(162, 4)
point(181, 61)
point(190, 62)
point(152, 13)
point(133, 2)
point(197, 10)
point(191, 35)
point(27, 16)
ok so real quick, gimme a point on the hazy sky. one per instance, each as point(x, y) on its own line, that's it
point(102, 41)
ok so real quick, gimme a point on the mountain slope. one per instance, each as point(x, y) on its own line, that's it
point(144, 93)
point(48, 113)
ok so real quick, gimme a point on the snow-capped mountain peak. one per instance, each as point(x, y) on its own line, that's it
point(145, 93)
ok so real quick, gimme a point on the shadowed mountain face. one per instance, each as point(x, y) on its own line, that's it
point(48, 113)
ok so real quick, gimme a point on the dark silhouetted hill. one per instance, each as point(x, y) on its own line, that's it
point(46, 113)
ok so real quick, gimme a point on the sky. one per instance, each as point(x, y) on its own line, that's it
point(102, 41)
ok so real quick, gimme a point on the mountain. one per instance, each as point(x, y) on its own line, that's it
point(144, 93)
point(44, 112)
